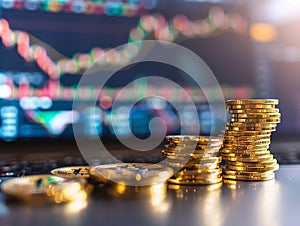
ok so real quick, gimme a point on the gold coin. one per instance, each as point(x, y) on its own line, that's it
point(189, 172)
point(193, 143)
point(249, 106)
point(269, 162)
point(249, 178)
point(43, 188)
point(242, 151)
point(200, 174)
point(250, 124)
point(194, 147)
point(200, 145)
point(174, 152)
point(191, 151)
point(245, 111)
point(255, 120)
point(247, 133)
point(273, 167)
point(253, 101)
point(246, 173)
point(198, 177)
point(146, 173)
point(257, 159)
point(245, 147)
point(247, 142)
point(193, 138)
point(246, 155)
point(256, 115)
point(265, 129)
point(238, 149)
point(195, 164)
point(72, 171)
point(205, 160)
point(195, 182)
point(202, 166)
point(238, 137)
point(195, 152)
point(190, 156)
point(190, 160)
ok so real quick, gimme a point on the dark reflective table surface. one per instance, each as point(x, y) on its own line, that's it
point(231, 203)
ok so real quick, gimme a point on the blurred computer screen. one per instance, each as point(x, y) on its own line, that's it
point(46, 47)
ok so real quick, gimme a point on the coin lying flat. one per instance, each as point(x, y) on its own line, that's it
point(186, 138)
point(225, 151)
point(207, 172)
point(72, 171)
point(273, 167)
point(247, 155)
point(242, 129)
point(256, 115)
point(247, 142)
point(253, 101)
point(229, 138)
point(200, 166)
point(249, 106)
point(247, 173)
point(129, 173)
point(250, 124)
point(249, 159)
point(198, 146)
point(259, 110)
point(253, 164)
point(256, 120)
point(44, 188)
point(246, 146)
point(190, 156)
point(249, 178)
point(247, 133)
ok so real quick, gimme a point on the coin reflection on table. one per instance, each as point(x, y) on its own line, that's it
point(263, 195)
point(205, 200)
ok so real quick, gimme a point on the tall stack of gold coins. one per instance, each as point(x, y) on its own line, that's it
point(197, 157)
point(247, 139)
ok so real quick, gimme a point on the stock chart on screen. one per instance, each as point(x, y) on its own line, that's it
point(46, 47)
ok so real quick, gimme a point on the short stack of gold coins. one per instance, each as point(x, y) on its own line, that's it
point(247, 139)
point(199, 163)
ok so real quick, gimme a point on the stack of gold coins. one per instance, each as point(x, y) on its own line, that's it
point(247, 139)
point(196, 158)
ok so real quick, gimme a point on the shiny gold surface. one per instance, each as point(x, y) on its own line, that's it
point(46, 188)
point(247, 139)
point(198, 164)
point(72, 171)
point(247, 203)
point(129, 173)
point(252, 101)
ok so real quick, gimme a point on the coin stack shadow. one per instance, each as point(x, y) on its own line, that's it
point(196, 159)
point(247, 139)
